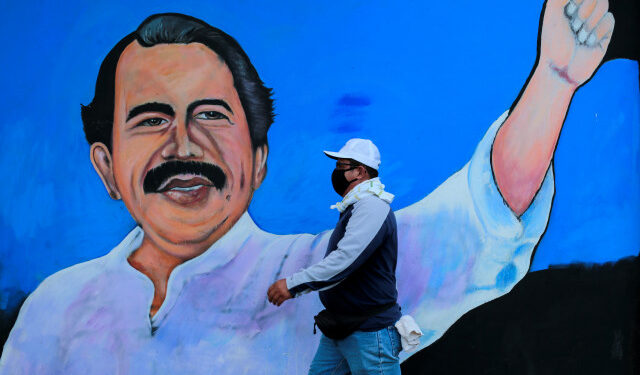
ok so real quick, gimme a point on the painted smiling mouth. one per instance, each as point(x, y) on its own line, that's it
point(184, 176)
point(184, 184)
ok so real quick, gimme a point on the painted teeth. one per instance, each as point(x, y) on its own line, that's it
point(187, 188)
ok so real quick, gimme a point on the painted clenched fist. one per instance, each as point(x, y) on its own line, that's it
point(574, 38)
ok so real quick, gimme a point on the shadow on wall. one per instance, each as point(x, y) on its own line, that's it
point(10, 303)
point(626, 38)
point(579, 319)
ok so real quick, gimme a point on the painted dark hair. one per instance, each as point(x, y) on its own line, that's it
point(173, 28)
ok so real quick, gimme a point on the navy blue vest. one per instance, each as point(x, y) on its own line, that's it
point(373, 283)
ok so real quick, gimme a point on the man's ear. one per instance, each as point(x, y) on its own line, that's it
point(259, 165)
point(101, 160)
point(363, 172)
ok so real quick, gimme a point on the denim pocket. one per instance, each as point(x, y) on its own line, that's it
point(394, 338)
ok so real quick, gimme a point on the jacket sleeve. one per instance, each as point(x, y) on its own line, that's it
point(364, 233)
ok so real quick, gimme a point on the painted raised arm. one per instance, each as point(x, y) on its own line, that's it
point(574, 38)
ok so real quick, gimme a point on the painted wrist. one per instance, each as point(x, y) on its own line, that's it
point(554, 78)
point(563, 74)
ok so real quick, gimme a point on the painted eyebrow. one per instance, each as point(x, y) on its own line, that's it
point(219, 102)
point(151, 107)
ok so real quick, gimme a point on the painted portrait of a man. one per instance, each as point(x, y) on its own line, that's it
point(178, 130)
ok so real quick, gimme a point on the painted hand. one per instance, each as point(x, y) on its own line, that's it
point(278, 292)
point(575, 36)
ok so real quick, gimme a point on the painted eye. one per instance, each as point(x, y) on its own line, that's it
point(156, 121)
point(211, 115)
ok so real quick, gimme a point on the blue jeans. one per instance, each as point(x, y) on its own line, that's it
point(360, 353)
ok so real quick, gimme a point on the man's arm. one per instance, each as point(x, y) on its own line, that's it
point(364, 233)
point(574, 39)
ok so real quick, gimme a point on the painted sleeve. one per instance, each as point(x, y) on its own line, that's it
point(364, 233)
point(462, 246)
point(30, 348)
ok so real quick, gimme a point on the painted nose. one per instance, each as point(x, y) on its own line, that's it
point(182, 145)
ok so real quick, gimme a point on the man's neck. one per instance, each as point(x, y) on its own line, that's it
point(354, 184)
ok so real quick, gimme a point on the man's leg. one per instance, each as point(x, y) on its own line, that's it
point(328, 359)
point(372, 352)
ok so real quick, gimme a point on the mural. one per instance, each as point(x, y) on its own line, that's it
point(207, 186)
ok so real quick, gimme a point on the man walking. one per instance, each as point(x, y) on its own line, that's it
point(356, 279)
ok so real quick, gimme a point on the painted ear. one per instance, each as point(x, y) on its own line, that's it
point(101, 160)
point(260, 165)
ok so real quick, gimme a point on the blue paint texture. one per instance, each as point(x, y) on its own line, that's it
point(406, 76)
point(506, 276)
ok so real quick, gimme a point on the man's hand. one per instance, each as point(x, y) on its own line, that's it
point(574, 38)
point(278, 292)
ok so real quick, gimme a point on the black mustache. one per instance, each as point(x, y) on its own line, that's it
point(158, 175)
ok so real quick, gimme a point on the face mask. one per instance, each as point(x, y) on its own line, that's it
point(339, 181)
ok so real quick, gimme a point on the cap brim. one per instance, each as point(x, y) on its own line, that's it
point(335, 155)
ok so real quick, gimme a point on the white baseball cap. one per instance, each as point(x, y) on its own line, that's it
point(360, 150)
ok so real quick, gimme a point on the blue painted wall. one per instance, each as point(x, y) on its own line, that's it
point(423, 81)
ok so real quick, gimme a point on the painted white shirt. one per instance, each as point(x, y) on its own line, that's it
point(459, 247)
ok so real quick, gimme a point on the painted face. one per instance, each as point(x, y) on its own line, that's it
point(182, 159)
